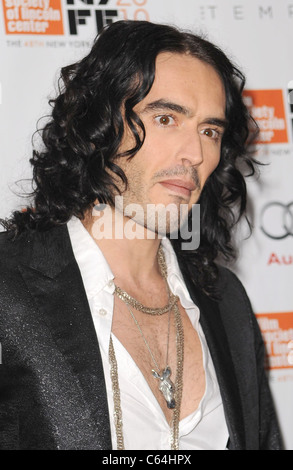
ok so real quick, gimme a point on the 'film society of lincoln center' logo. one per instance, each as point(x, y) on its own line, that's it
point(33, 17)
point(268, 110)
point(277, 331)
point(44, 17)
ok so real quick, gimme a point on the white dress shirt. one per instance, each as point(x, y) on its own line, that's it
point(144, 423)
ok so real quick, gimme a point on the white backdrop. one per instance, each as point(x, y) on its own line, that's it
point(37, 37)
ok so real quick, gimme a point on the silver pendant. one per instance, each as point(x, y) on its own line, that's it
point(166, 386)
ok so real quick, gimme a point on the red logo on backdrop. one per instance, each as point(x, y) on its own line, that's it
point(277, 331)
point(280, 259)
point(268, 110)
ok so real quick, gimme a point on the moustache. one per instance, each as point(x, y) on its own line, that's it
point(180, 170)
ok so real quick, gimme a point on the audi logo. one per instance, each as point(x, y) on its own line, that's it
point(277, 220)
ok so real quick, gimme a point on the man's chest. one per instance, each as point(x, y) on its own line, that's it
point(152, 342)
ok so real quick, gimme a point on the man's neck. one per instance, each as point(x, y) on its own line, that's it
point(131, 258)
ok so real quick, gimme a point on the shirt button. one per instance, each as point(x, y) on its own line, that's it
point(111, 283)
point(102, 312)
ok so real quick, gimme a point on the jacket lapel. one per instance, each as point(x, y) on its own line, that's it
point(53, 279)
point(216, 337)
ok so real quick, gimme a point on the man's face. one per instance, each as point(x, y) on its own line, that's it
point(184, 119)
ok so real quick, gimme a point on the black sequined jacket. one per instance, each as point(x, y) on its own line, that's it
point(52, 388)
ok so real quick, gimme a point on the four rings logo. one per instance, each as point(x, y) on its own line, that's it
point(276, 220)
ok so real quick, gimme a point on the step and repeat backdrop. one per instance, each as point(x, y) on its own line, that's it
point(38, 37)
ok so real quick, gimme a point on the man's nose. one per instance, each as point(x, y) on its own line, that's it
point(190, 150)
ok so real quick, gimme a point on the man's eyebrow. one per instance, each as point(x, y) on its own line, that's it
point(214, 121)
point(163, 105)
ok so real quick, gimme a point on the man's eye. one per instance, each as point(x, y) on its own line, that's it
point(165, 120)
point(212, 133)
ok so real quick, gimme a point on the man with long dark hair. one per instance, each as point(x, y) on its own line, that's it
point(134, 340)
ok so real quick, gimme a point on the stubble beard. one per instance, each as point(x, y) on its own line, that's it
point(160, 219)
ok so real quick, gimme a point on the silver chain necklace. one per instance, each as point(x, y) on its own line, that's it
point(166, 386)
point(172, 393)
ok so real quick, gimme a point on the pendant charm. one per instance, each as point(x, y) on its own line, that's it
point(166, 386)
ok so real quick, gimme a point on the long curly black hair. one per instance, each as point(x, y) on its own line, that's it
point(81, 140)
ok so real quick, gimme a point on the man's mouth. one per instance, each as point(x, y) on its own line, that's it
point(180, 186)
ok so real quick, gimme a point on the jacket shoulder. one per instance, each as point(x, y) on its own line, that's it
point(12, 250)
point(11, 283)
point(231, 290)
point(234, 303)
